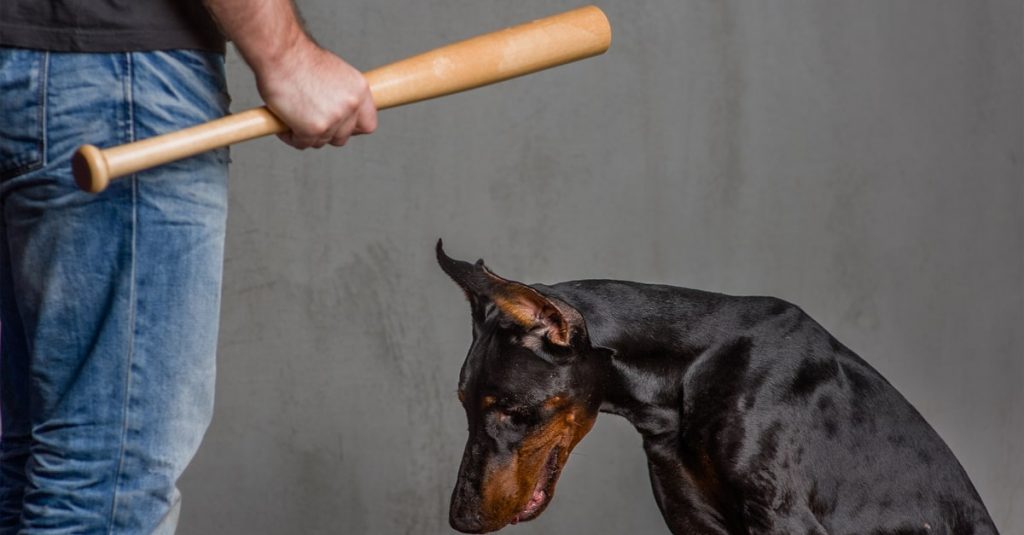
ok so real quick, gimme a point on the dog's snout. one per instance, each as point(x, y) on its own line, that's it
point(466, 520)
point(465, 513)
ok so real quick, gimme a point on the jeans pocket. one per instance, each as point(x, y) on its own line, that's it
point(22, 92)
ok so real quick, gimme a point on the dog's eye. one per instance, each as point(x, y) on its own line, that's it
point(516, 410)
point(509, 418)
point(506, 413)
point(518, 414)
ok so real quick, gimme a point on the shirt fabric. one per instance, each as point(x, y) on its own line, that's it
point(108, 25)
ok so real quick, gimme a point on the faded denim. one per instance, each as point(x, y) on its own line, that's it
point(108, 303)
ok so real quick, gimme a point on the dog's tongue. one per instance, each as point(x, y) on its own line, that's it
point(535, 501)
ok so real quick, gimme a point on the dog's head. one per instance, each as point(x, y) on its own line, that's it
point(529, 386)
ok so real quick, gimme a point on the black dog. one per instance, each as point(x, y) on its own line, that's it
point(754, 418)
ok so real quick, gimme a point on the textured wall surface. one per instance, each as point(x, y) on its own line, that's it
point(862, 159)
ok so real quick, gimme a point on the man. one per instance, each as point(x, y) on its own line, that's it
point(109, 303)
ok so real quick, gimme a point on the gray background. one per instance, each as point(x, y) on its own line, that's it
point(862, 159)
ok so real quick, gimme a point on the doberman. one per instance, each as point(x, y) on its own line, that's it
point(754, 419)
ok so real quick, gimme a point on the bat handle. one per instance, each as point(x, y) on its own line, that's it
point(93, 167)
point(89, 167)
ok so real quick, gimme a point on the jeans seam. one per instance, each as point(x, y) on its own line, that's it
point(44, 89)
point(129, 84)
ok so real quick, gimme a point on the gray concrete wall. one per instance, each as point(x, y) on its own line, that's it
point(862, 159)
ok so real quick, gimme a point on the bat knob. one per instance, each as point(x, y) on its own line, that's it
point(89, 167)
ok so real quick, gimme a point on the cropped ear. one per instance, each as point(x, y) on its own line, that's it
point(520, 303)
point(464, 274)
point(469, 277)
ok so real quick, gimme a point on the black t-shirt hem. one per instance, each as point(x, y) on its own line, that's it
point(80, 40)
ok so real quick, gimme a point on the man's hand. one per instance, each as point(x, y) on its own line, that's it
point(318, 95)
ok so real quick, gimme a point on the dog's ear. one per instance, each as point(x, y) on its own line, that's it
point(520, 303)
point(469, 277)
point(474, 279)
point(533, 311)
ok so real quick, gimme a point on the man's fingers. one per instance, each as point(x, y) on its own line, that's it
point(337, 135)
point(340, 141)
point(299, 142)
point(366, 121)
point(336, 130)
point(288, 139)
point(342, 134)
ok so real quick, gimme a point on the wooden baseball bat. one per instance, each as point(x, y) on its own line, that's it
point(478, 61)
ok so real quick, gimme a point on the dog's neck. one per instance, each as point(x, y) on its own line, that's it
point(644, 384)
point(653, 349)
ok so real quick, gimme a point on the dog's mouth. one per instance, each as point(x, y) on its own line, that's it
point(543, 490)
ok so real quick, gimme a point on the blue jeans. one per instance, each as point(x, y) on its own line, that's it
point(109, 303)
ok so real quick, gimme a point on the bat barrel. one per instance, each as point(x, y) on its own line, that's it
point(493, 57)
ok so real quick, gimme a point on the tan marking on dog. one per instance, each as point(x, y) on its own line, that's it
point(507, 489)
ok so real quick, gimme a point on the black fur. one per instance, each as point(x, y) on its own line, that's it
point(753, 417)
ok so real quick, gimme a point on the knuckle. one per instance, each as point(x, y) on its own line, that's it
point(362, 87)
point(320, 126)
point(351, 103)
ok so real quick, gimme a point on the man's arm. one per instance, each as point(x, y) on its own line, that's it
point(318, 95)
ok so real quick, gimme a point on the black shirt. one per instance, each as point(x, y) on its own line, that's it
point(108, 25)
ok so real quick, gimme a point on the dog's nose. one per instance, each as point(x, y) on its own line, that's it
point(466, 521)
point(464, 514)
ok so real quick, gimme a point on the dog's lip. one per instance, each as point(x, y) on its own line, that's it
point(544, 489)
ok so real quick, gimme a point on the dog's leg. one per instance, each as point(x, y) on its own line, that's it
point(681, 497)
